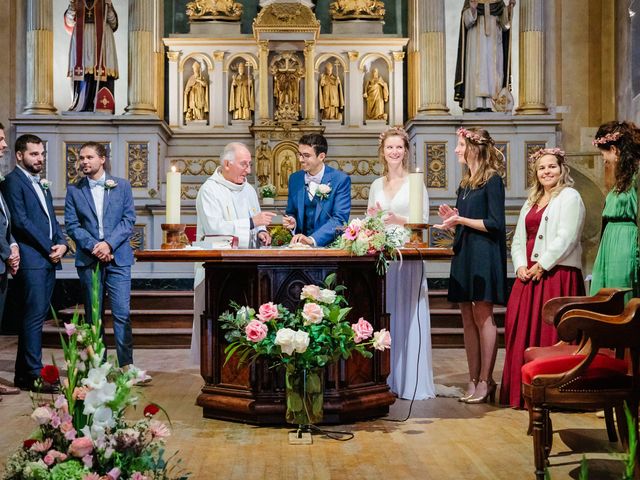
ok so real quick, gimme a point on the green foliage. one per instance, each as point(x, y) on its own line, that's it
point(280, 236)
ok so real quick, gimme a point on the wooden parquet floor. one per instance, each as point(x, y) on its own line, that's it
point(443, 439)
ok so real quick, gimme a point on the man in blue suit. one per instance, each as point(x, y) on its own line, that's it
point(42, 246)
point(99, 215)
point(319, 200)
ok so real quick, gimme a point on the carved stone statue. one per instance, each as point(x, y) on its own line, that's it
point(196, 95)
point(198, 10)
point(287, 70)
point(357, 9)
point(263, 159)
point(331, 94)
point(93, 63)
point(241, 97)
point(376, 93)
point(286, 169)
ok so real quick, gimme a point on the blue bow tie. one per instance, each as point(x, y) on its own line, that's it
point(312, 178)
point(93, 183)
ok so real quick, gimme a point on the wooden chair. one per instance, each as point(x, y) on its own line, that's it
point(587, 379)
point(607, 300)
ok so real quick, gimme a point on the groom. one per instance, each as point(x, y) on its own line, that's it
point(319, 196)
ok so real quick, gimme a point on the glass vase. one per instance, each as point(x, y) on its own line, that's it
point(305, 396)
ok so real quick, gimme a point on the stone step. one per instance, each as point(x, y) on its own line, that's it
point(163, 319)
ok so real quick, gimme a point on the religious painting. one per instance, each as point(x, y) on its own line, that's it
point(285, 156)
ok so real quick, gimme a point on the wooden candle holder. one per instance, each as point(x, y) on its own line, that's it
point(416, 239)
point(173, 235)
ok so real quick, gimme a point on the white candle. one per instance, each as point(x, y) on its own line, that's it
point(173, 196)
point(416, 188)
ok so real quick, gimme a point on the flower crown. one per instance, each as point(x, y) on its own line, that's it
point(556, 152)
point(468, 134)
point(391, 132)
point(608, 138)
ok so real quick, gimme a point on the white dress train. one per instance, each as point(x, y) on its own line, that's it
point(407, 303)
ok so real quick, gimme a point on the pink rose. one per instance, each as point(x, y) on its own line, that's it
point(81, 447)
point(268, 311)
point(256, 331)
point(311, 292)
point(312, 313)
point(49, 459)
point(362, 329)
point(382, 340)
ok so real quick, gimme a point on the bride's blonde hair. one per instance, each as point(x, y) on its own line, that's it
point(393, 132)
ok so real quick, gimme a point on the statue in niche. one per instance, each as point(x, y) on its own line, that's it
point(198, 10)
point(376, 94)
point(93, 64)
point(241, 98)
point(287, 70)
point(196, 95)
point(263, 159)
point(286, 169)
point(357, 9)
point(331, 94)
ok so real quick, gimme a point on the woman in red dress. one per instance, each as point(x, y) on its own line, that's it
point(546, 254)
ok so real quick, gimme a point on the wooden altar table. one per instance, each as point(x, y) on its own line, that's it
point(354, 389)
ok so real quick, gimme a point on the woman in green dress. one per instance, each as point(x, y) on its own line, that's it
point(617, 263)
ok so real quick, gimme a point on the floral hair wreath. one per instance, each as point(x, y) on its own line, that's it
point(468, 134)
point(392, 132)
point(556, 152)
point(608, 138)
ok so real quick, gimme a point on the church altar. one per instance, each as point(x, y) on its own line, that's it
point(354, 389)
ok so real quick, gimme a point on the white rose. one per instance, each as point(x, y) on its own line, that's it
point(300, 341)
point(312, 313)
point(284, 338)
point(324, 189)
point(42, 415)
point(327, 296)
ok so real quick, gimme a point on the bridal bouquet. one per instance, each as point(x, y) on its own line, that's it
point(313, 336)
point(370, 236)
point(82, 433)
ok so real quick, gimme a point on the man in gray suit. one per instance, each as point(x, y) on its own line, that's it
point(9, 255)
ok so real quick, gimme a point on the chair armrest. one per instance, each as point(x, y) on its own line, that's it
point(607, 300)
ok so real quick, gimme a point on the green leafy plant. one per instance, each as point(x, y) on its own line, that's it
point(267, 191)
point(280, 236)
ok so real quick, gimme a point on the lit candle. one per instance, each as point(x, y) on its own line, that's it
point(416, 189)
point(173, 196)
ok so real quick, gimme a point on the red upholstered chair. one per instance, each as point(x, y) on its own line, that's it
point(586, 379)
point(607, 300)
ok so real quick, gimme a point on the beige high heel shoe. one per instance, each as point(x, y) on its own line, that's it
point(490, 394)
point(471, 389)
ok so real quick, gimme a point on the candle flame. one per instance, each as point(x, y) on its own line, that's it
point(173, 168)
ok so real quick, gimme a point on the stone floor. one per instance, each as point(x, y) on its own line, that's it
point(443, 438)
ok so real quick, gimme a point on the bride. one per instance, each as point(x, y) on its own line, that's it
point(411, 374)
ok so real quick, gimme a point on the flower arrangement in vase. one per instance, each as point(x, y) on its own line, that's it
point(268, 193)
point(82, 432)
point(370, 236)
point(317, 334)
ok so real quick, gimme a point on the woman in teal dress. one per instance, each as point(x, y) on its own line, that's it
point(617, 263)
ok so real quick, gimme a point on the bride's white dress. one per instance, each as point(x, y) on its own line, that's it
point(408, 305)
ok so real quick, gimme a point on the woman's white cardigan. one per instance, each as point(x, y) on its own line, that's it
point(558, 238)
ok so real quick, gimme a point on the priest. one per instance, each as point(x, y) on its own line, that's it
point(227, 205)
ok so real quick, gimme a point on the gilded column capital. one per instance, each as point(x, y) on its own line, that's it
point(353, 56)
point(218, 55)
point(263, 46)
point(173, 56)
point(398, 56)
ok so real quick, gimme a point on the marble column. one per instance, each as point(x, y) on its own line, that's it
point(218, 95)
point(427, 63)
point(263, 72)
point(355, 110)
point(39, 98)
point(175, 115)
point(395, 109)
point(144, 78)
point(309, 82)
point(532, 71)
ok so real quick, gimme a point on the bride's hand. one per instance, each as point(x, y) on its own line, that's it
point(393, 219)
point(373, 211)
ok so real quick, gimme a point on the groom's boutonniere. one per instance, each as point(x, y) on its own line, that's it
point(109, 184)
point(323, 191)
point(1, 178)
point(45, 184)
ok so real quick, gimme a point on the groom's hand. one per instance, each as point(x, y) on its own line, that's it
point(289, 222)
point(300, 238)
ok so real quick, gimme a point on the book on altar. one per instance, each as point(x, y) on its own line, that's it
point(217, 242)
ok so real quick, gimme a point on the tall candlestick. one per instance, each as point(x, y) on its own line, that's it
point(416, 190)
point(173, 196)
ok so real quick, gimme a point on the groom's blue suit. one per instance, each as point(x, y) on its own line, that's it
point(323, 216)
point(118, 219)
